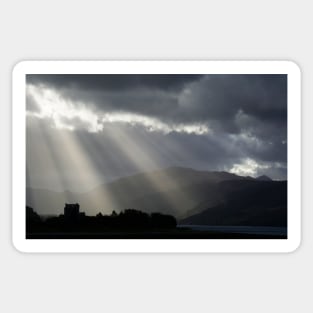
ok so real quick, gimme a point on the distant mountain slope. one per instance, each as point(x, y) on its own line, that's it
point(173, 190)
point(264, 178)
point(253, 203)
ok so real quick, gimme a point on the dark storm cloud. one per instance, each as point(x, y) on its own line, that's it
point(246, 116)
point(186, 98)
point(222, 97)
point(113, 81)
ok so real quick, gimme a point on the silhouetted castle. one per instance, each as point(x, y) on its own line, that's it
point(71, 211)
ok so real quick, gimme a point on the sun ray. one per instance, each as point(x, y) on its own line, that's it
point(85, 170)
point(50, 160)
point(64, 116)
point(161, 182)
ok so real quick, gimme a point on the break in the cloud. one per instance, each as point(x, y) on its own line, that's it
point(73, 114)
point(215, 122)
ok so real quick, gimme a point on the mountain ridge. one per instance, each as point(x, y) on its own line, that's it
point(179, 191)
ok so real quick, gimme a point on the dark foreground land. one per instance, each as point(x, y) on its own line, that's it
point(161, 234)
point(129, 224)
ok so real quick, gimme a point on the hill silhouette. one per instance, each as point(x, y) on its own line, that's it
point(251, 203)
point(185, 195)
point(172, 191)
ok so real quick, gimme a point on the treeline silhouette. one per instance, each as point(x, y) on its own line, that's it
point(128, 224)
point(127, 220)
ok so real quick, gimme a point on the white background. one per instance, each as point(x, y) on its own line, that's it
point(160, 30)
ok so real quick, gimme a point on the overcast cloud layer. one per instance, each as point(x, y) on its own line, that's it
point(122, 124)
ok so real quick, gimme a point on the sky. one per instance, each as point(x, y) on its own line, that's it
point(84, 130)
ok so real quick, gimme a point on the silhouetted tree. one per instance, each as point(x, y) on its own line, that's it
point(127, 220)
point(159, 220)
point(33, 220)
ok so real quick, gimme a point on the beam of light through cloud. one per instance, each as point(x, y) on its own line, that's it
point(78, 169)
point(86, 168)
point(70, 115)
point(51, 163)
point(138, 157)
point(161, 182)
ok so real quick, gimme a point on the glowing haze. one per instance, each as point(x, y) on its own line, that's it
point(83, 130)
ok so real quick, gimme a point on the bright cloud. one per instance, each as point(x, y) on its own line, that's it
point(248, 167)
point(70, 115)
point(154, 124)
point(64, 114)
